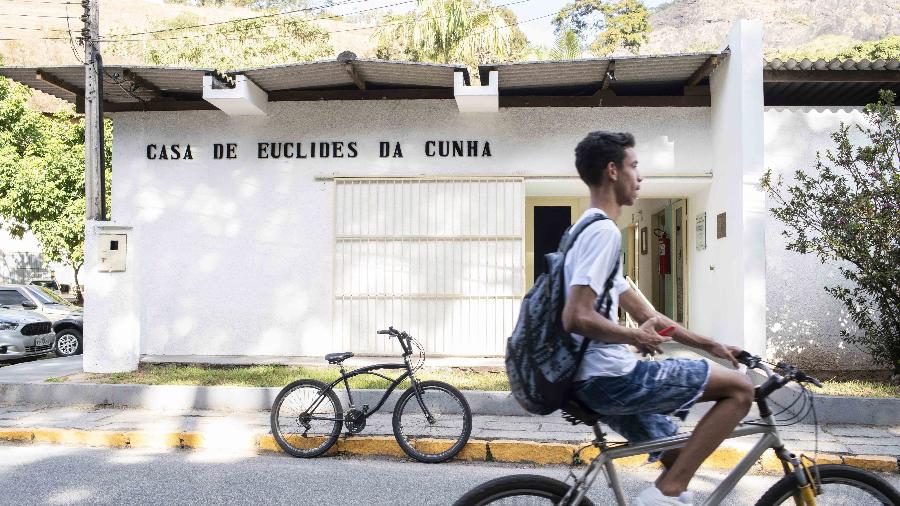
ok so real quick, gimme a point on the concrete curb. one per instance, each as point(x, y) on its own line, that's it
point(497, 450)
point(218, 398)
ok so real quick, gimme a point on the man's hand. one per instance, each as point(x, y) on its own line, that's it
point(647, 340)
point(724, 351)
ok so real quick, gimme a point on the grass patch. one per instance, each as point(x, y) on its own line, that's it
point(859, 388)
point(61, 379)
point(280, 375)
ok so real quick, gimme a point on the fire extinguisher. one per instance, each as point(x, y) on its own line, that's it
point(662, 242)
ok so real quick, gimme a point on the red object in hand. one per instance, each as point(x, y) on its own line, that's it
point(666, 331)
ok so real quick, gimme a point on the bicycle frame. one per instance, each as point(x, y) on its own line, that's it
point(769, 439)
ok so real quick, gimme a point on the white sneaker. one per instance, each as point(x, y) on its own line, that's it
point(653, 497)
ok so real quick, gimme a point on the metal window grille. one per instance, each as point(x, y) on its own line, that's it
point(441, 258)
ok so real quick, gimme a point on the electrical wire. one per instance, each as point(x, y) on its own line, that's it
point(71, 40)
point(238, 20)
point(338, 16)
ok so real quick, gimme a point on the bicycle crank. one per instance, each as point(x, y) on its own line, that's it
point(355, 421)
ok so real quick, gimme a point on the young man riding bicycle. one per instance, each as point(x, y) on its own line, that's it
point(636, 397)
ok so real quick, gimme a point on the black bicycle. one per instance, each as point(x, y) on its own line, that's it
point(432, 420)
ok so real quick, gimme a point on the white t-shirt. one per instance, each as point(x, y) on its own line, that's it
point(589, 262)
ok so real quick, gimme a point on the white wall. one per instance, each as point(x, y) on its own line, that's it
point(236, 255)
point(727, 280)
point(803, 321)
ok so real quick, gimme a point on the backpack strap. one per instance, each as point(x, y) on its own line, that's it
point(604, 302)
point(574, 231)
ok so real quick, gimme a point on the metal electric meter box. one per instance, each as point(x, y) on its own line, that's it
point(112, 252)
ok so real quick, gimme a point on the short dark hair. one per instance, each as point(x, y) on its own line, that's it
point(594, 152)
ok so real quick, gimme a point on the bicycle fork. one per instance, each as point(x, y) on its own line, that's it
point(807, 487)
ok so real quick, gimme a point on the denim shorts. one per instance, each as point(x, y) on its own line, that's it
point(637, 405)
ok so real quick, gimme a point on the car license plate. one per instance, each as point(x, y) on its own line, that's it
point(41, 341)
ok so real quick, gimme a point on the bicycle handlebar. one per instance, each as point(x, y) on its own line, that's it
point(775, 380)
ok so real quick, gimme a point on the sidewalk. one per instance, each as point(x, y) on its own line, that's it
point(541, 440)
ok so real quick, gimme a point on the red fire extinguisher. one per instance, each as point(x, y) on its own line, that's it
point(662, 240)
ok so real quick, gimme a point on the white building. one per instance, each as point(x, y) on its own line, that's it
point(273, 213)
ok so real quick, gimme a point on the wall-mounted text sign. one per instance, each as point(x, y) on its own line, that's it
point(321, 149)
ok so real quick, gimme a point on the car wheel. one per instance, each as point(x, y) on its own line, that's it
point(68, 342)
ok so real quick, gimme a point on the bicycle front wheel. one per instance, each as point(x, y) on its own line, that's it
point(519, 489)
point(438, 432)
point(841, 485)
point(306, 418)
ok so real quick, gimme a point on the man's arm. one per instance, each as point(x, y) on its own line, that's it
point(580, 317)
point(632, 303)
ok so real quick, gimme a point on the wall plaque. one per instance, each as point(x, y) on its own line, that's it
point(720, 225)
point(701, 231)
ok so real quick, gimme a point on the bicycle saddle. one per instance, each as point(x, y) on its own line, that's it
point(337, 358)
point(574, 412)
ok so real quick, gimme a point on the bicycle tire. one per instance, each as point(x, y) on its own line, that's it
point(284, 441)
point(832, 474)
point(516, 488)
point(420, 453)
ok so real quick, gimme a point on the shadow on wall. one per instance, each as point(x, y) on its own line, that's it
point(803, 321)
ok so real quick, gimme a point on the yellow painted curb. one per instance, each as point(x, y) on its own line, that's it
point(372, 445)
point(872, 462)
point(475, 450)
point(503, 450)
point(16, 435)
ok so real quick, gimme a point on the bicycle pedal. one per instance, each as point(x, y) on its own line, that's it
point(365, 408)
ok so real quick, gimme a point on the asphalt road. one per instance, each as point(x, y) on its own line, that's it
point(57, 475)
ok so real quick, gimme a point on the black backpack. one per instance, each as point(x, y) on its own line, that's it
point(541, 357)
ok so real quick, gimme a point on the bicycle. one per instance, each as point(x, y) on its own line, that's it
point(802, 485)
point(307, 415)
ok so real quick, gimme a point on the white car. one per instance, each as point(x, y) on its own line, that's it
point(66, 318)
point(24, 334)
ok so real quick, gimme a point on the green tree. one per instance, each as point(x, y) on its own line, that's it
point(848, 209)
point(830, 47)
point(567, 47)
point(42, 176)
point(444, 31)
point(245, 43)
point(622, 24)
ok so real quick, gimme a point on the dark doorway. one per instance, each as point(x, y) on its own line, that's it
point(549, 224)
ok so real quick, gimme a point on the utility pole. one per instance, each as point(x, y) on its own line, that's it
point(94, 184)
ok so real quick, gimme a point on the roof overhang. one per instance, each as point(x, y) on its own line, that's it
point(828, 83)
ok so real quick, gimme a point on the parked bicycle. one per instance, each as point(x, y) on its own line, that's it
point(803, 484)
point(431, 421)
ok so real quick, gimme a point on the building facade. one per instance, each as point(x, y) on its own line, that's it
point(294, 211)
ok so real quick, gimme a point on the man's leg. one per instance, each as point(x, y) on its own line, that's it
point(733, 394)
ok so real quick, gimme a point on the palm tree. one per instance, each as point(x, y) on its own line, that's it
point(568, 46)
point(447, 30)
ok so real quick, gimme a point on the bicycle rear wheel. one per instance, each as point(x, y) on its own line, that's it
point(841, 485)
point(306, 418)
point(442, 436)
point(519, 489)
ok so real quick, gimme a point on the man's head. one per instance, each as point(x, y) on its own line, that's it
point(607, 159)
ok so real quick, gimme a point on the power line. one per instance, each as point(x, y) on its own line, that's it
point(334, 16)
point(41, 2)
point(310, 19)
point(238, 20)
point(320, 18)
point(41, 16)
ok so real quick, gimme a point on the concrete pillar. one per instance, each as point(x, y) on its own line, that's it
point(738, 141)
point(112, 331)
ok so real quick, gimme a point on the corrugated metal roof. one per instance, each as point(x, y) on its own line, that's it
point(828, 82)
point(565, 74)
point(835, 82)
point(124, 84)
point(835, 64)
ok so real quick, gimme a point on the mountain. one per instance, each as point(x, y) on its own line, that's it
point(788, 25)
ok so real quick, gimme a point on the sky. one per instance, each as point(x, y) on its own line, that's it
point(539, 31)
